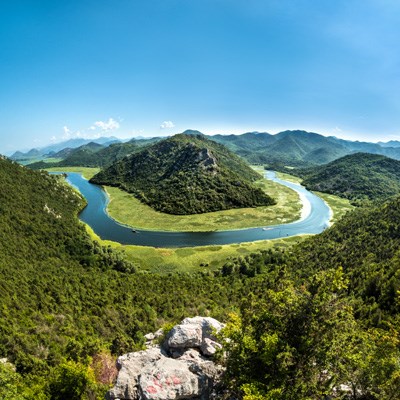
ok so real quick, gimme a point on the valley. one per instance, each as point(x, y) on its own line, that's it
point(101, 297)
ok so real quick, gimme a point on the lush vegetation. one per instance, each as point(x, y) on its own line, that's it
point(357, 176)
point(89, 155)
point(186, 174)
point(127, 209)
point(297, 148)
point(338, 324)
point(303, 322)
point(67, 302)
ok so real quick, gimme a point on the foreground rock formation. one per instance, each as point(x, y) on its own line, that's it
point(180, 368)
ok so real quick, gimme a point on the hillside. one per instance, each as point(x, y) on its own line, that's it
point(65, 298)
point(293, 148)
point(186, 174)
point(299, 148)
point(56, 147)
point(67, 303)
point(356, 176)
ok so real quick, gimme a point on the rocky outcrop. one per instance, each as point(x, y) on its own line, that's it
point(181, 368)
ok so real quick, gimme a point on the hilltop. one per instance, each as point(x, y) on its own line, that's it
point(186, 174)
point(298, 148)
point(356, 176)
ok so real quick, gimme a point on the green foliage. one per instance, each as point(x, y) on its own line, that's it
point(324, 313)
point(293, 341)
point(358, 176)
point(303, 342)
point(294, 148)
point(70, 381)
point(186, 175)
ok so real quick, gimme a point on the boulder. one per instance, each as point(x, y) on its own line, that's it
point(197, 332)
point(182, 369)
point(169, 379)
point(130, 367)
point(184, 336)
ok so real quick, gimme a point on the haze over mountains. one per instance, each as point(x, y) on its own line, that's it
point(294, 148)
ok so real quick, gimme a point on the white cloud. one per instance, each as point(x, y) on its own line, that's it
point(67, 133)
point(109, 125)
point(94, 131)
point(167, 125)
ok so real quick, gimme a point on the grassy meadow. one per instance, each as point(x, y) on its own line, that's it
point(125, 208)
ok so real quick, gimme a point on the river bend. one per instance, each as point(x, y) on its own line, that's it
point(314, 219)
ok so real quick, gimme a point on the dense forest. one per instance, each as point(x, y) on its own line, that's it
point(89, 155)
point(319, 320)
point(357, 177)
point(186, 174)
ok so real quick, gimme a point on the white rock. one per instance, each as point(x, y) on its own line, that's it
point(185, 336)
point(209, 347)
point(149, 336)
point(168, 379)
point(130, 366)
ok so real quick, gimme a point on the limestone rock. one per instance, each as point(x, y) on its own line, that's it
point(169, 379)
point(209, 347)
point(130, 366)
point(182, 369)
point(197, 332)
point(185, 336)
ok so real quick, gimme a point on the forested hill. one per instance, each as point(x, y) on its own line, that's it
point(89, 155)
point(186, 174)
point(341, 317)
point(67, 303)
point(356, 176)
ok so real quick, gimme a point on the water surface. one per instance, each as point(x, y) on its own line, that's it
point(315, 218)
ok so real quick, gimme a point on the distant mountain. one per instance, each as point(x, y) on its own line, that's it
point(186, 174)
point(293, 148)
point(90, 155)
point(71, 143)
point(298, 148)
point(390, 143)
point(356, 176)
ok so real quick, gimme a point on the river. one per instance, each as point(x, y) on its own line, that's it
point(314, 219)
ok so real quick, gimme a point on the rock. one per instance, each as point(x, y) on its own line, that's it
point(197, 332)
point(150, 336)
point(208, 325)
point(180, 370)
point(209, 347)
point(130, 366)
point(184, 336)
point(169, 379)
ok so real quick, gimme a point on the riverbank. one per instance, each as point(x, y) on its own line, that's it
point(192, 259)
point(126, 209)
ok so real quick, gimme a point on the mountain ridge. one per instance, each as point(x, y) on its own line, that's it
point(186, 174)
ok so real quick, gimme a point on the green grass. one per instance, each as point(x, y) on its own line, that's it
point(191, 259)
point(127, 209)
point(338, 205)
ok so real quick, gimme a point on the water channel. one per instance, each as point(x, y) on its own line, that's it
point(314, 219)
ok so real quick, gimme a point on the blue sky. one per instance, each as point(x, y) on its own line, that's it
point(145, 67)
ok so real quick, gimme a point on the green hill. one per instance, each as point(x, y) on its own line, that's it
point(323, 314)
point(186, 174)
point(356, 176)
point(339, 326)
point(66, 301)
point(292, 148)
